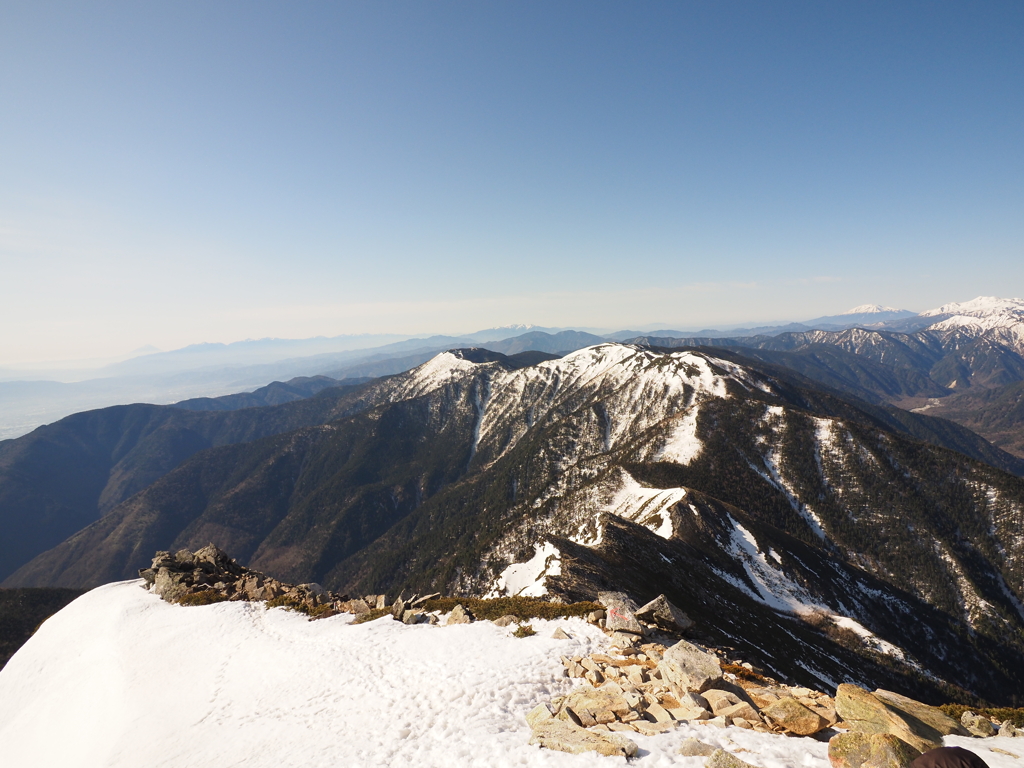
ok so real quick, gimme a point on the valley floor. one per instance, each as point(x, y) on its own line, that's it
point(122, 678)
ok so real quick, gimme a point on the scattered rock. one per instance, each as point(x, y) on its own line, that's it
point(870, 750)
point(566, 737)
point(459, 615)
point(863, 711)
point(621, 613)
point(695, 748)
point(978, 725)
point(538, 714)
point(793, 717)
point(506, 620)
point(722, 759)
point(647, 728)
point(690, 668)
point(1010, 731)
point(1003, 752)
point(560, 634)
point(663, 614)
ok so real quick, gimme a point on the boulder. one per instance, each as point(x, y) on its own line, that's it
point(537, 714)
point(722, 759)
point(695, 748)
point(414, 617)
point(932, 716)
point(1009, 731)
point(357, 607)
point(620, 613)
point(863, 711)
point(663, 614)
point(647, 728)
point(169, 585)
point(978, 725)
point(506, 620)
point(690, 668)
point(560, 634)
point(398, 609)
point(870, 750)
point(459, 615)
point(583, 704)
point(719, 700)
point(793, 717)
point(741, 711)
point(566, 737)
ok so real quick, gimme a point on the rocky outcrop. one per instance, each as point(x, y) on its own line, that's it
point(870, 750)
point(565, 736)
point(620, 613)
point(931, 716)
point(864, 712)
point(209, 575)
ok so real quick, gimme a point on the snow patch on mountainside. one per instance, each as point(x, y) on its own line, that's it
point(527, 579)
point(650, 507)
point(771, 586)
point(682, 445)
point(869, 309)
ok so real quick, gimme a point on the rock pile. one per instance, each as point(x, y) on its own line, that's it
point(210, 576)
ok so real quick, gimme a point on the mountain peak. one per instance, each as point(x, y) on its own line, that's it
point(870, 309)
point(982, 306)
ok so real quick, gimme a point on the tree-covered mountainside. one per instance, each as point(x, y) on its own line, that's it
point(469, 472)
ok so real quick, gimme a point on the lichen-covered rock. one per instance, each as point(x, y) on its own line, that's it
point(870, 750)
point(722, 759)
point(932, 716)
point(978, 725)
point(663, 614)
point(620, 613)
point(863, 711)
point(793, 717)
point(690, 668)
point(567, 737)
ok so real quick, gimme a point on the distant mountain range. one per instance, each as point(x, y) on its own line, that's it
point(748, 493)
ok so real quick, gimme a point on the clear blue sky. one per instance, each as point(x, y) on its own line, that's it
point(180, 172)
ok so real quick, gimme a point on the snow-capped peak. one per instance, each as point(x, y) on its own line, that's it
point(980, 307)
point(869, 309)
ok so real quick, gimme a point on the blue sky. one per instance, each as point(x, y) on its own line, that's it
point(177, 173)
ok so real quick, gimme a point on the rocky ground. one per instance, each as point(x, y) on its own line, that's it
point(649, 681)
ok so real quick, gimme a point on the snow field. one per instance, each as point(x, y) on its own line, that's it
point(121, 678)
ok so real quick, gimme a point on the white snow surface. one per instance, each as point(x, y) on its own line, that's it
point(682, 445)
point(527, 579)
point(865, 309)
point(120, 679)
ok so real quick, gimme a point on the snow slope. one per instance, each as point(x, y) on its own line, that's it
point(121, 678)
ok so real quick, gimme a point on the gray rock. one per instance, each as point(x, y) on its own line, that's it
point(506, 620)
point(169, 585)
point(398, 609)
point(663, 614)
point(459, 615)
point(978, 725)
point(690, 668)
point(413, 617)
point(863, 711)
point(566, 737)
point(695, 748)
point(560, 634)
point(382, 601)
point(184, 559)
point(621, 613)
point(722, 759)
point(870, 750)
point(421, 600)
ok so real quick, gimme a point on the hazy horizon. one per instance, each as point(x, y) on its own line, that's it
point(176, 174)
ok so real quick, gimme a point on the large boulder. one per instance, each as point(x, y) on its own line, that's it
point(932, 716)
point(690, 668)
point(459, 615)
point(978, 725)
point(567, 737)
point(620, 613)
point(863, 711)
point(870, 750)
point(793, 717)
point(663, 614)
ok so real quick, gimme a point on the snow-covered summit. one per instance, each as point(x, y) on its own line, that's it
point(981, 308)
point(869, 309)
point(1000, 321)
